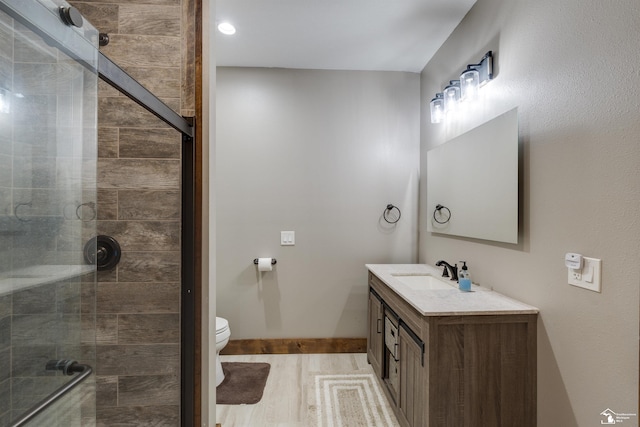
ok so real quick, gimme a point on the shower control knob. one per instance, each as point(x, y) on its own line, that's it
point(103, 251)
point(71, 16)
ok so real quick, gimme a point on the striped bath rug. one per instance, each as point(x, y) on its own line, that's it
point(349, 400)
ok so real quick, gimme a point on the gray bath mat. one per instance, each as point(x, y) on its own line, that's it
point(243, 383)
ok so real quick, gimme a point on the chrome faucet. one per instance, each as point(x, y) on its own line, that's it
point(453, 270)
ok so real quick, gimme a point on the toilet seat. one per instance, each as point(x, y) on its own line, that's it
point(222, 331)
point(222, 325)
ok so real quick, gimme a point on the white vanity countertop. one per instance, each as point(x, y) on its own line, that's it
point(446, 302)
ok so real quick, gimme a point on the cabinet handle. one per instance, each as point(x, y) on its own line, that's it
point(378, 329)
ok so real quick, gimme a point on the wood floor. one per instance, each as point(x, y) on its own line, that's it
point(285, 399)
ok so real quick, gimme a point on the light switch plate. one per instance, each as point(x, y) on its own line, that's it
point(589, 277)
point(287, 238)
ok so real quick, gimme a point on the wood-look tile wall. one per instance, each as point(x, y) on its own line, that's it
point(138, 304)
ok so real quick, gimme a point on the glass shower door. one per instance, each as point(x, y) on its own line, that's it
point(48, 135)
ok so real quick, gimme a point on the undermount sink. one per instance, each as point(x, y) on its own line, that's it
point(423, 282)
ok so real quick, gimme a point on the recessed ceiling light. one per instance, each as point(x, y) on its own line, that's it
point(226, 28)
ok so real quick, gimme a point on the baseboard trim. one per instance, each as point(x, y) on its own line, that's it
point(296, 346)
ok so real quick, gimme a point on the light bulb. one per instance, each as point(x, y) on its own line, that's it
point(226, 28)
point(451, 96)
point(437, 108)
point(469, 85)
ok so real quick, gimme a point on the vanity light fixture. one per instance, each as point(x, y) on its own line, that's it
point(437, 108)
point(226, 28)
point(464, 90)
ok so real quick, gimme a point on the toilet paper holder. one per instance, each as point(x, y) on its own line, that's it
point(273, 261)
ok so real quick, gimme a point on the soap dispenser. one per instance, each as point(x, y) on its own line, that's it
point(464, 279)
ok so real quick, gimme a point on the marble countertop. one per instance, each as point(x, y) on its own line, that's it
point(446, 302)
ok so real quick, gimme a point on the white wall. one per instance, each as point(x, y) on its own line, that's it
point(320, 153)
point(572, 70)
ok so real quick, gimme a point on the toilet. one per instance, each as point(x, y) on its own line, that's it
point(222, 338)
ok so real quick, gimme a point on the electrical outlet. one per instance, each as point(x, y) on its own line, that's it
point(589, 277)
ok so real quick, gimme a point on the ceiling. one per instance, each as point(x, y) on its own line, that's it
point(385, 35)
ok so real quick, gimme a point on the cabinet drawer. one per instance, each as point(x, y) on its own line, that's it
point(391, 336)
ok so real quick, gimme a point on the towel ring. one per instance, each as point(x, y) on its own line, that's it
point(438, 210)
point(388, 216)
point(80, 211)
point(17, 215)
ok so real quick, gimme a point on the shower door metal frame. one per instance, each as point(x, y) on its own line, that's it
point(48, 25)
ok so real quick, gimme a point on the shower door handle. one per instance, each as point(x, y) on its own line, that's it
point(68, 367)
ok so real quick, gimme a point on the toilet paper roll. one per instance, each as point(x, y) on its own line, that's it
point(264, 264)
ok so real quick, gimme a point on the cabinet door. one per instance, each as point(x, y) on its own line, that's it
point(375, 333)
point(412, 400)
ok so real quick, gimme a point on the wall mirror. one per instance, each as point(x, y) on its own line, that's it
point(472, 182)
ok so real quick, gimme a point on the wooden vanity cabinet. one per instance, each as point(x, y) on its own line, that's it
point(411, 397)
point(457, 370)
point(375, 332)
